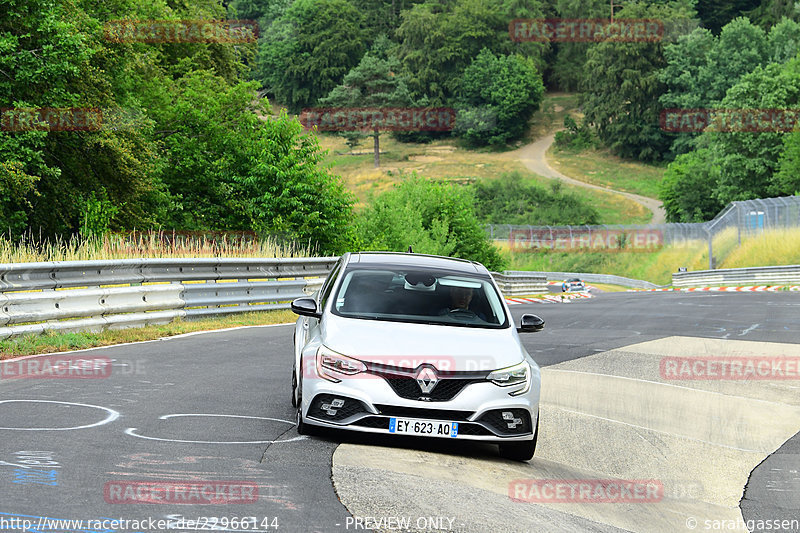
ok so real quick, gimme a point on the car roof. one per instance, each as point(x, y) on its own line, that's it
point(416, 260)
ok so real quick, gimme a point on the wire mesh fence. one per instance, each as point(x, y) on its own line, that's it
point(745, 218)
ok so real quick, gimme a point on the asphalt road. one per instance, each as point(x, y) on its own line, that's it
point(214, 408)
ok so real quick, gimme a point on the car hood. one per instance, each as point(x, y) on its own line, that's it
point(410, 345)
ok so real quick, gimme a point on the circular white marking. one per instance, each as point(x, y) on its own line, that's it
point(112, 415)
point(291, 423)
point(132, 433)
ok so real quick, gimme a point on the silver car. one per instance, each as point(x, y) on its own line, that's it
point(411, 344)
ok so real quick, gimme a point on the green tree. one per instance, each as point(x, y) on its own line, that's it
point(687, 190)
point(701, 68)
point(622, 87)
point(374, 83)
point(714, 14)
point(309, 49)
point(787, 180)
point(438, 41)
point(743, 163)
point(569, 58)
point(769, 12)
point(507, 88)
point(783, 41)
point(686, 65)
point(230, 170)
point(434, 218)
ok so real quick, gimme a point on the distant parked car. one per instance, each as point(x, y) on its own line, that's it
point(573, 285)
point(411, 344)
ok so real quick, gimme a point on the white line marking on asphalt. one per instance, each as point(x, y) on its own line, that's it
point(748, 330)
point(112, 415)
point(291, 423)
point(132, 433)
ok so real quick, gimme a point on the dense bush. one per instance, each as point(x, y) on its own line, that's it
point(511, 199)
point(433, 218)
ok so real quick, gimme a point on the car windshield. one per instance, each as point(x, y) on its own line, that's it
point(420, 296)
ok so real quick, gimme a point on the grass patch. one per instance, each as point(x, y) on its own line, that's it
point(780, 247)
point(138, 245)
point(601, 167)
point(59, 342)
point(605, 287)
point(550, 117)
point(449, 159)
point(445, 160)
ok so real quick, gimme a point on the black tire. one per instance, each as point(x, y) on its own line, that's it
point(522, 450)
point(294, 374)
point(294, 387)
point(302, 427)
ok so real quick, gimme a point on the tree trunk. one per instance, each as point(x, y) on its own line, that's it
point(377, 150)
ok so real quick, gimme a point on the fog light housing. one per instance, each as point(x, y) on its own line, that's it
point(332, 408)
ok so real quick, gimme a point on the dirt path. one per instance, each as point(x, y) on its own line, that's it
point(533, 156)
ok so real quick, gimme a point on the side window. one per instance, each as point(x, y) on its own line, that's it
point(325, 292)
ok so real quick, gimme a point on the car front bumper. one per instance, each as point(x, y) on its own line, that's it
point(366, 403)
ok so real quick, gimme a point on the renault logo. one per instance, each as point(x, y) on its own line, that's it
point(427, 380)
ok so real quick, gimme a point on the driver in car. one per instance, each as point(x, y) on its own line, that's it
point(460, 298)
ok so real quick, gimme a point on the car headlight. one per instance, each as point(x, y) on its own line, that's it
point(330, 363)
point(518, 375)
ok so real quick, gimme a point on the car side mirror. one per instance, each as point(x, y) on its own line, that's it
point(530, 324)
point(306, 307)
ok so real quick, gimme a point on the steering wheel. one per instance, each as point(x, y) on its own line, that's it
point(462, 313)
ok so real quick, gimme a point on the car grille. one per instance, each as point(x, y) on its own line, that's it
point(465, 428)
point(404, 383)
point(433, 414)
point(323, 407)
point(445, 389)
point(521, 420)
point(376, 422)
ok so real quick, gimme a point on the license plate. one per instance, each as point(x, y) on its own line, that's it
point(427, 428)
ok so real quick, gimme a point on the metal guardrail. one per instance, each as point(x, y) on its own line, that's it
point(609, 279)
point(781, 275)
point(520, 283)
point(97, 295)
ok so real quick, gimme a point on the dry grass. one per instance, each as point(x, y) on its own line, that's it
point(137, 245)
point(777, 247)
point(780, 247)
point(601, 167)
point(59, 342)
point(446, 160)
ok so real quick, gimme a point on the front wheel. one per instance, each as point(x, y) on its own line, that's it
point(297, 401)
point(521, 451)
